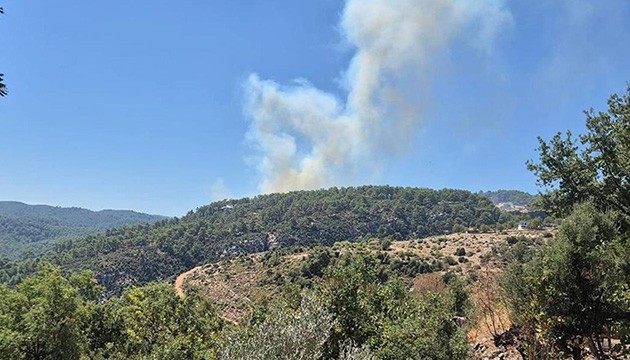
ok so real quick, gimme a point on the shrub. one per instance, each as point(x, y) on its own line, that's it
point(451, 261)
point(285, 334)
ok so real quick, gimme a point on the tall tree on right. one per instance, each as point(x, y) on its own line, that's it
point(594, 166)
point(577, 290)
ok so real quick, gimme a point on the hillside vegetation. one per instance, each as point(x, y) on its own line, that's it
point(143, 253)
point(235, 285)
point(76, 217)
point(351, 301)
point(28, 230)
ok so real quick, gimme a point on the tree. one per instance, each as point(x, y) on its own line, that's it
point(577, 288)
point(595, 166)
point(284, 334)
point(153, 321)
point(43, 318)
point(535, 223)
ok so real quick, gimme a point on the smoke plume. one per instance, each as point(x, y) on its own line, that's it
point(306, 138)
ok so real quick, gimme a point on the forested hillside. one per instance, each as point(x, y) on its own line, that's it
point(74, 216)
point(29, 236)
point(32, 229)
point(138, 254)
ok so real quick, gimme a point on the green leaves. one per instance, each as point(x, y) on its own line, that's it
point(49, 316)
point(595, 166)
point(577, 288)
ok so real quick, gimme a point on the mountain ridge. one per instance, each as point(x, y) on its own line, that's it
point(27, 230)
point(139, 254)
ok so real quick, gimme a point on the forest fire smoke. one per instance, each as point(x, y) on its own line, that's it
point(306, 138)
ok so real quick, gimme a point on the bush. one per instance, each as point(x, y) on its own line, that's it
point(385, 244)
point(284, 334)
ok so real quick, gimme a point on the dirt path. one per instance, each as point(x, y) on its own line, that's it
point(179, 282)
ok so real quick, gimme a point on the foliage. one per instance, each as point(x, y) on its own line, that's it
point(576, 289)
point(3, 88)
point(76, 217)
point(30, 230)
point(50, 316)
point(284, 334)
point(139, 254)
point(593, 166)
point(370, 310)
point(423, 331)
point(357, 310)
point(42, 318)
point(24, 236)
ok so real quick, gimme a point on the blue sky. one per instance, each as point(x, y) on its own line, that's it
point(143, 104)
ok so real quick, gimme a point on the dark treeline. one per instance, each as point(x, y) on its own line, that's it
point(24, 237)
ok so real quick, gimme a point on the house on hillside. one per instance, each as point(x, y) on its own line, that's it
point(523, 225)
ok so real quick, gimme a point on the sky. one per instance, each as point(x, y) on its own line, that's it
point(165, 106)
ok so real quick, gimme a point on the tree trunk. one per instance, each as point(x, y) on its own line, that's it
point(594, 350)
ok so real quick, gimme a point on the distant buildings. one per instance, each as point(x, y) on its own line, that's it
point(510, 207)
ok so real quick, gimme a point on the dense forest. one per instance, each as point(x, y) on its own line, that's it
point(28, 230)
point(76, 217)
point(25, 237)
point(143, 253)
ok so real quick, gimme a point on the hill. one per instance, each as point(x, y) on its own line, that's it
point(27, 230)
point(75, 216)
point(143, 253)
point(236, 284)
point(516, 197)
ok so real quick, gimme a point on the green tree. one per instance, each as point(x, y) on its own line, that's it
point(535, 223)
point(380, 313)
point(153, 321)
point(285, 334)
point(422, 330)
point(594, 166)
point(459, 228)
point(43, 318)
point(576, 289)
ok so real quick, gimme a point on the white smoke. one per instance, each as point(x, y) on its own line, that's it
point(309, 139)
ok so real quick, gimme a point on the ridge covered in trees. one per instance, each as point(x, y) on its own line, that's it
point(143, 253)
point(29, 230)
point(573, 298)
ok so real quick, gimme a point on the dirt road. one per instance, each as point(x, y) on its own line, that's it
point(179, 282)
